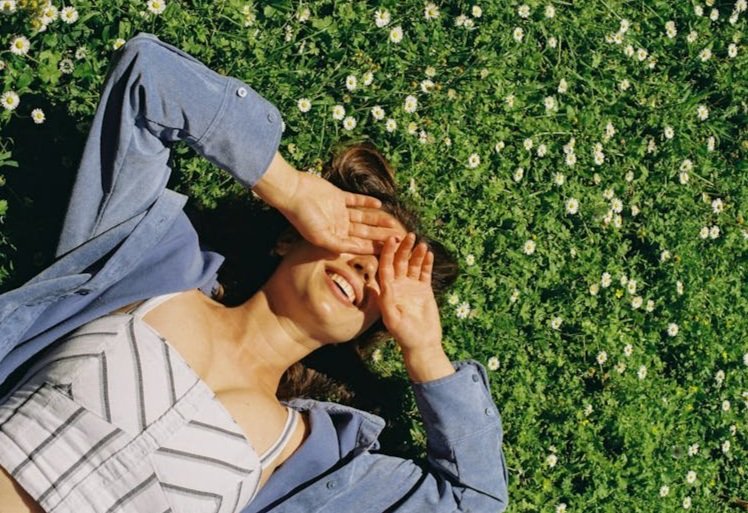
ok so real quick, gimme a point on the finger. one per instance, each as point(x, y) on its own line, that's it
point(371, 217)
point(416, 261)
point(403, 255)
point(385, 271)
point(427, 267)
point(361, 200)
point(355, 245)
point(365, 231)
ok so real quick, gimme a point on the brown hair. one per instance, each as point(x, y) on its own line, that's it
point(362, 169)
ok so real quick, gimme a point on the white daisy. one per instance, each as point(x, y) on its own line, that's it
point(338, 112)
point(650, 305)
point(717, 206)
point(304, 104)
point(8, 6)
point(396, 34)
point(628, 350)
point(702, 112)
point(81, 52)
point(66, 66)
point(705, 54)
point(551, 460)
point(691, 476)
point(634, 210)
point(725, 405)
point(571, 159)
point(524, 11)
point(377, 112)
point(518, 174)
point(427, 86)
point(476, 11)
point(672, 329)
point(351, 83)
point(726, 446)
point(453, 298)
point(550, 103)
point(552, 42)
point(303, 14)
point(605, 280)
point(515, 296)
point(563, 86)
point(69, 15)
point(37, 115)
point(556, 322)
point(411, 104)
point(693, 449)
point(529, 247)
point(602, 357)
point(430, 11)
point(665, 255)
point(20, 45)
point(49, 14)
point(594, 289)
point(118, 43)
point(349, 123)
point(669, 132)
point(732, 50)
point(493, 363)
point(156, 6)
point(561, 508)
point(714, 232)
point(527, 143)
point(367, 78)
point(687, 500)
point(518, 34)
point(542, 150)
point(382, 18)
point(624, 84)
point(499, 146)
point(10, 100)
point(636, 302)
point(664, 490)
point(391, 125)
point(463, 310)
point(473, 160)
point(642, 372)
point(572, 206)
point(550, 11)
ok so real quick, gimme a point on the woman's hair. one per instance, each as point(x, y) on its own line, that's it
point(362, 169)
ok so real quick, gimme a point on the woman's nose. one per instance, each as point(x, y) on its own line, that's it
point(366, 266)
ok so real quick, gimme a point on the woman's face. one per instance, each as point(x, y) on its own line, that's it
point(303, 288)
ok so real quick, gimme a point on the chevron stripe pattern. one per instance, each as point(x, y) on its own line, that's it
point(112, 419)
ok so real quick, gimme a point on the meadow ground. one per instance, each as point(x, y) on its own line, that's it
point(585, 161)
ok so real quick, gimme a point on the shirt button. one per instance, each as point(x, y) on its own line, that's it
point(330, 485)
point(241, 92)
point(488, 412)
point(82, 292)
point(476, 378)
point(271, 118)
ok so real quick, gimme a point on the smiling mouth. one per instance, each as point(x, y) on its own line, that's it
point(338, 291)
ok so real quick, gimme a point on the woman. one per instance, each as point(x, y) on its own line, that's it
point(169, 404)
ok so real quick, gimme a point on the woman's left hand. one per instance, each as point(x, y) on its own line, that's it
point(406, 300)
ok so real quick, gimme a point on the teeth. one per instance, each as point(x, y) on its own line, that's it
point(347, 287)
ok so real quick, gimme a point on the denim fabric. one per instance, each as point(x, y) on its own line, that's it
point(126, 238)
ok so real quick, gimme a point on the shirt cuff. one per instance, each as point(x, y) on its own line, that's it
point(458, 405)
point(245, 134)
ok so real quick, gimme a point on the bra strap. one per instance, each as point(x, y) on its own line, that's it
point(272, 453)
point(141, 309)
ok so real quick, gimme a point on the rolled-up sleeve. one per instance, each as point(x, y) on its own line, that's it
point(464, 442)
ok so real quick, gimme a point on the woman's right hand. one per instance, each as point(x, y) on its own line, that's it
point(325, 215)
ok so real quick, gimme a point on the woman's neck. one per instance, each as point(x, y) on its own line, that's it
point(262, 342)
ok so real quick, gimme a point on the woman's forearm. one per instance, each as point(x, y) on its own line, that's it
point(278, 183)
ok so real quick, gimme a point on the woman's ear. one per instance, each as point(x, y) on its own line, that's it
point(285, 241)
